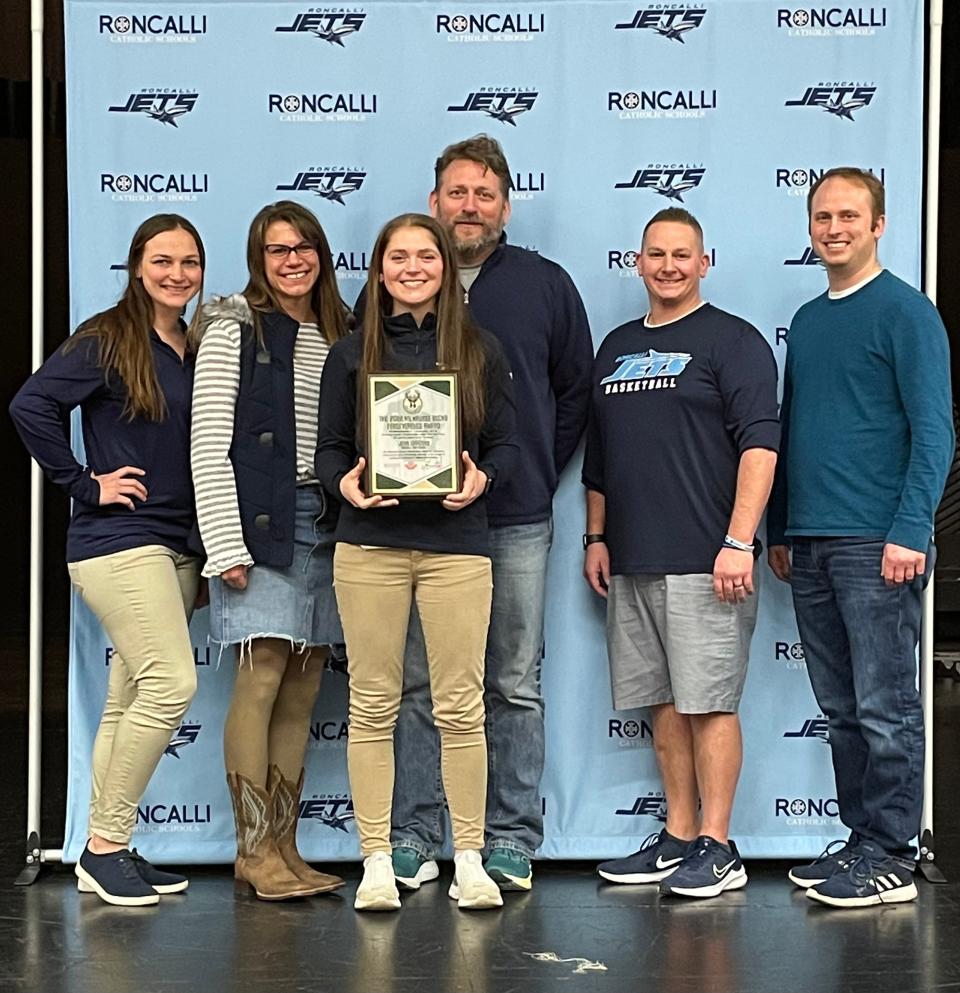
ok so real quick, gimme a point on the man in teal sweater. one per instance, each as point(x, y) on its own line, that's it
point(867, 439)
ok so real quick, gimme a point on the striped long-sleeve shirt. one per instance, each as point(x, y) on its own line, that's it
point(216, 388)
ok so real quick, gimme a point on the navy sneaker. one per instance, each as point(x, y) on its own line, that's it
point(836, 857)
point(873, 877)
point(708, 869)
point(163, 882)
point(115, 879)
point(413, 869)
point(659, 856)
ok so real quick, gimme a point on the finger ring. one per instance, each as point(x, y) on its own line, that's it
point(738, 586)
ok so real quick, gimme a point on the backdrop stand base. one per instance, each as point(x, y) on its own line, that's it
point(28, 875)
point(927, 860)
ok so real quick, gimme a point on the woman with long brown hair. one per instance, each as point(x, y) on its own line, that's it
point(267, 528)
point(390, 550)
point(130, 371)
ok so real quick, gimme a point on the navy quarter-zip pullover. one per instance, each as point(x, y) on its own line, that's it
point(71, 378)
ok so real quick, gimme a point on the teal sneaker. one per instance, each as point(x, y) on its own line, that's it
point(411, 868)
point(509, 869)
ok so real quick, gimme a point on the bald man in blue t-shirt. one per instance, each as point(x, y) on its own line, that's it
point(681, 449)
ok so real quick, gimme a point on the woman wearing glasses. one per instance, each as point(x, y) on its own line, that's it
point(265, 528)
point(130, 371)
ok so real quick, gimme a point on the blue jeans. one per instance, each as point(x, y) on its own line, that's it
point(860, 638)
point(514, 709)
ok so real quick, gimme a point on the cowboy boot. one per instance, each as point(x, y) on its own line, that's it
point(258, 860)
point(286, 807)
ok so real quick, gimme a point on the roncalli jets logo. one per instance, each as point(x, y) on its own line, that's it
point(503, 103)
point(173, 817)
point(841, 100)
point(351, 265)
point(322, 107)
point(674, 21)
point(623, 261)
point(808, 257)
point(668, 180)
point(321, 731)
point(820, 22)
point(147, 28)
point(816, 728)
point(797, 181)
point(526, 185)
point(333, 25)
point(491, 27)
point(652, 805)
point(333, 810)
point(187, 734)
point(329, 183)
point(790, 653)
point(165, 106)
point(630, 733)
point(653, 104)
point(807, 811)
point(154, 187)
point(649, 370)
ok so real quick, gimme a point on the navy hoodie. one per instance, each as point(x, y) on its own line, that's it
point(531, 305)
point(424, 525)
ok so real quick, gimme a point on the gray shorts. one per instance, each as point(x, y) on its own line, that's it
point(669, 640)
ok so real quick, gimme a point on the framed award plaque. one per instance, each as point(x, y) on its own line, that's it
point(413, 434)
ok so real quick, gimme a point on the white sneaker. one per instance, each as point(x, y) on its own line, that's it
point(378, 888)
point(472, 888)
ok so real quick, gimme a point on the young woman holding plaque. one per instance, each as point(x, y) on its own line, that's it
point(267, 528)
point(130, 371)
point(391, 549)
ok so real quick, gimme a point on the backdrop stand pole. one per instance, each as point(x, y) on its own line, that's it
point(35, 855)
point(927, 855)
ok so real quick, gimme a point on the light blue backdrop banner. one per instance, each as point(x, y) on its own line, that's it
point(607, 111)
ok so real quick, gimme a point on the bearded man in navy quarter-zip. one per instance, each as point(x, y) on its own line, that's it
point(533, 308)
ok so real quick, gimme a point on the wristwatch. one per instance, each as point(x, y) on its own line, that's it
point(593, 539)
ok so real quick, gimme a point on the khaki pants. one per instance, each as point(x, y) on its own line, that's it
point(374, 590)
point(142, 598)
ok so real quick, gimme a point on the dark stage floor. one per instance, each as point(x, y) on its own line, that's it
point(767, 938)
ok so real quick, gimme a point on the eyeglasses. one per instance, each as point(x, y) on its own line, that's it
point(285, 251)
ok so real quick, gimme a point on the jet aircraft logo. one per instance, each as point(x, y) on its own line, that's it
point(331, 25)
point(163, 106)
point(670, 182)
point(502, 103)
point(187, 734)
point(329, 184)
point(673, 23)
point(839, 100)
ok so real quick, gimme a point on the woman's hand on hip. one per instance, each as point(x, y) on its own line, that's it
point(119, 486)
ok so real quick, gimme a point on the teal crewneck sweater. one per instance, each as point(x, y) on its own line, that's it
point(867, 430)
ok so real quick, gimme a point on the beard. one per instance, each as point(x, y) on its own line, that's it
point(477, 247)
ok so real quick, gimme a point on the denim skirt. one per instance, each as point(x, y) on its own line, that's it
point(296, 603)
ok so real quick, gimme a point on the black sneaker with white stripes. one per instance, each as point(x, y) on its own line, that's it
point(872, 878)
point(836, 857)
